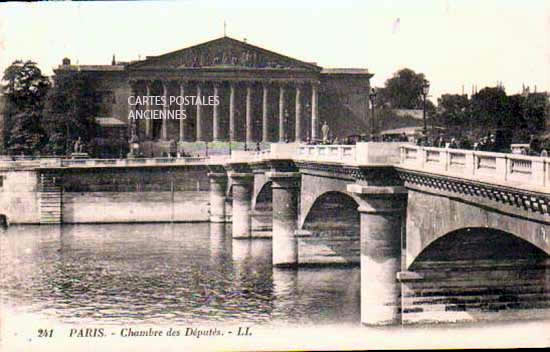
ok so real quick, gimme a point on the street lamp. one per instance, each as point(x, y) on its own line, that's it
point(372, 98)
point(425, 90)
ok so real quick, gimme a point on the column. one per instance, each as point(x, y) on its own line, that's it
point(281, 113)
point(182, 110)
point(216, 116)
point(132, 123)
point(218, 186)
point(165, 107)
point(249, 113)
point(382, 212)
point(298, 126)
point(286, 189)
point(231, 112)
point(198, 117)
point(314, 113)
point(242, 199)
point(265, 112)
point(148, 134)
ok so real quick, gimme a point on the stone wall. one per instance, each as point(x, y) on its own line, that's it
point(121, 207)
point(19, 199)
point(136, 195)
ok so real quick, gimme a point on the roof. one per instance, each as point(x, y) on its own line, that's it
point(346, 71)
point(223, 51)
point(414, 113)
point(406, 130)
point(109, 122)
point(91, 67)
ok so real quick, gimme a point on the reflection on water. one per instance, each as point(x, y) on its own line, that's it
point(160, 273)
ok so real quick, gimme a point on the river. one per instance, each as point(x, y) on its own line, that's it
point(194, 274)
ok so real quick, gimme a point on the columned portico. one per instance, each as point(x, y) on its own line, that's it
point(281, 113)
point(148, 133)
point(314, 113)
point(216, 115)
point(249, 138)
point(166, 107)
point(198, 122)
point(265, 113)
point(298, 114)
point(182, 110)
point(231, 111)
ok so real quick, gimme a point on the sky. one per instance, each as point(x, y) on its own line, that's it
point(455, 43)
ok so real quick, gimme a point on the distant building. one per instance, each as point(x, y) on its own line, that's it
point(414, 113)
point(263, 96)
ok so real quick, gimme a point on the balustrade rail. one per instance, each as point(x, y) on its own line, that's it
point(329, 153)
point(486, 166)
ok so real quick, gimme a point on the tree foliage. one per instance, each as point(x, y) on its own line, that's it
point(403, 90)
point(491, 109)
point(25, 90)
point(70, 112)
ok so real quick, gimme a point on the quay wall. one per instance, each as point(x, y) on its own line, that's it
point(110, 195)
point(155, 194)
point(19, 198)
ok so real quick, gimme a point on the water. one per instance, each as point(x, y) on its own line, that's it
point(165, 273)
point(195, 275)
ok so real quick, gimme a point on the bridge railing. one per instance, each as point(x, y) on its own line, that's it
point(368, 154)
point(117, 162)
point(485, 166)
point(328, 153)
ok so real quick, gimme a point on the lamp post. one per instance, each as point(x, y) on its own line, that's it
point(372, 98)
point(425, 91)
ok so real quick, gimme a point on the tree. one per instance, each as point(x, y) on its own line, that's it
point(490, 106)
point(404, 90)
point(25, 90)
point(453, 109)
point(70, 112)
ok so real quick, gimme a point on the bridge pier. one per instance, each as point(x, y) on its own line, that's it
point(382, 212)
point(242, 200)
point(286, 190)
point(218, 186)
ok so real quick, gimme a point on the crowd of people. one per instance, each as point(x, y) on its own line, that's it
point(488, 143)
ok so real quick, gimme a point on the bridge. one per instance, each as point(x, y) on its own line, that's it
point(477, 221)
point(440, 234)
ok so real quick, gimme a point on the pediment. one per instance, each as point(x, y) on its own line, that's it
point(223, 52)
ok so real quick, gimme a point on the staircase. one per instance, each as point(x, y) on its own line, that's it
point(51, 196)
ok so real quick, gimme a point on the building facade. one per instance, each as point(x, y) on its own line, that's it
point(262, 96)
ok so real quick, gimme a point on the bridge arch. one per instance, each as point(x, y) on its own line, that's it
point(263, 199)
point(333, 205)
point(476, 244)
point(430, 217)
point(476, 274)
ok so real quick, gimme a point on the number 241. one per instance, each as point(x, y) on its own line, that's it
point(45, 332)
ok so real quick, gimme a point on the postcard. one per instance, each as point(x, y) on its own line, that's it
point(278, 175)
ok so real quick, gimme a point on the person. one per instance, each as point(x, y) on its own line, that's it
point(325, 130)
point(544, 153)
point(77, 146)
point(453, 144)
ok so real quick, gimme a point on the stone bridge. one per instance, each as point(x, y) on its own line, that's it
point(440, 234)
point(425, 215)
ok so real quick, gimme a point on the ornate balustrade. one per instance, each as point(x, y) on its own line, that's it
point(506, 169)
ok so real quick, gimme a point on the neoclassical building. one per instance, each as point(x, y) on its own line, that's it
point(263, 96)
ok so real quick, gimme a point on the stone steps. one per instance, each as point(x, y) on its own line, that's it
point(51, 199)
